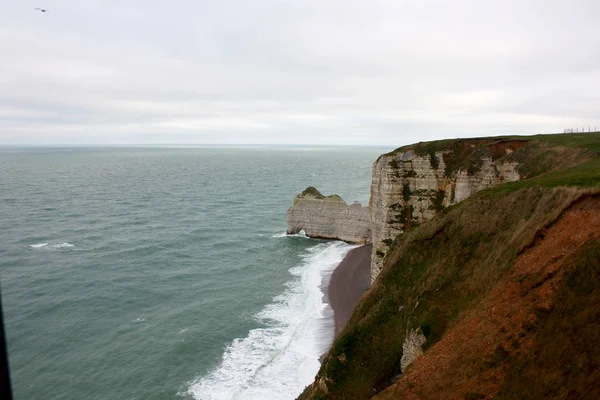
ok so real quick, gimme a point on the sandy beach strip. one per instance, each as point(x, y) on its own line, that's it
point(348, 283)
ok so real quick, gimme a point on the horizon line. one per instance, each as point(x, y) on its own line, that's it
point(185, 145)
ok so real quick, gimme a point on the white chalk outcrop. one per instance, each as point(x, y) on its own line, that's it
point(329, 217)
point(410, 188)
point(412, 347)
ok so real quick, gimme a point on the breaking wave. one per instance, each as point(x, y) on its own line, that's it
point(301, 234)
point(281, 359)
point(63, 245)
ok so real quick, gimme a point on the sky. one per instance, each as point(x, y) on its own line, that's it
point(377, 72)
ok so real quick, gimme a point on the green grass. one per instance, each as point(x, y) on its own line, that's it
point(425, 148)
point(432, 274)
point(582, 140)
point(586, 175)
point(590, 141)
point(312, 191)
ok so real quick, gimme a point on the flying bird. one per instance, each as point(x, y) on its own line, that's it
point(42, 9)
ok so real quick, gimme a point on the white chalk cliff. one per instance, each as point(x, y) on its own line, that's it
point(329, 217)
point(409, 186)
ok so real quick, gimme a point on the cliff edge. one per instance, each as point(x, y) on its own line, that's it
point(496, 296)
point(413, 183)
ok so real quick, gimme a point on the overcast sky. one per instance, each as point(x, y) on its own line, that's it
point(295, 71)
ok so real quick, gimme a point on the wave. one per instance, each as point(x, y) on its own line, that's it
point(280, 360)
point(280, 235)
point(301, 234)
point(52, 246)
point(62, 245)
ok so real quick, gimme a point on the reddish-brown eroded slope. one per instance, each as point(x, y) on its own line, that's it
point(473, 358)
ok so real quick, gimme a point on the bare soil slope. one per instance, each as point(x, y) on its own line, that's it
point(507, 334)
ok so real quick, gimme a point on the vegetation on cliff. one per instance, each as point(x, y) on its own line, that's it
point(312, 192)
point(535, 154)
point(492, 282)
point(558, 160)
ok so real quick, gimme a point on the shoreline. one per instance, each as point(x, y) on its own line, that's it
point(349, 281)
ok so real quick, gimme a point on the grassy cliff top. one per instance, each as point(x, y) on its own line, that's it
point(548, 158)
point(312, 193)
point(589, 141)
point(555, 160)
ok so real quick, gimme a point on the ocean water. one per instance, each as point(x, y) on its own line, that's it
point(164, 273)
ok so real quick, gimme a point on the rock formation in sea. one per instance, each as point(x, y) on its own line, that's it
point(329, 217)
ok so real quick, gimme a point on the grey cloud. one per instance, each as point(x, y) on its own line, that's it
point(351, 72)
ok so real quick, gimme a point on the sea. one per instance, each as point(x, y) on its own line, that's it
point(165, 272)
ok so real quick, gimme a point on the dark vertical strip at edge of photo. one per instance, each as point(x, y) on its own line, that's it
point(5, 388)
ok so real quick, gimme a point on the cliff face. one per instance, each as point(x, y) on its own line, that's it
point(489, 295)
point(329, 217)
point(534, 325)
point(465, 301)
point(411, 185)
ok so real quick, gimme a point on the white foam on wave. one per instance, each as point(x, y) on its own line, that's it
point(51, 246)
point(280, 235)
point(301, 234)
point(280, 360)
point(62, 245)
